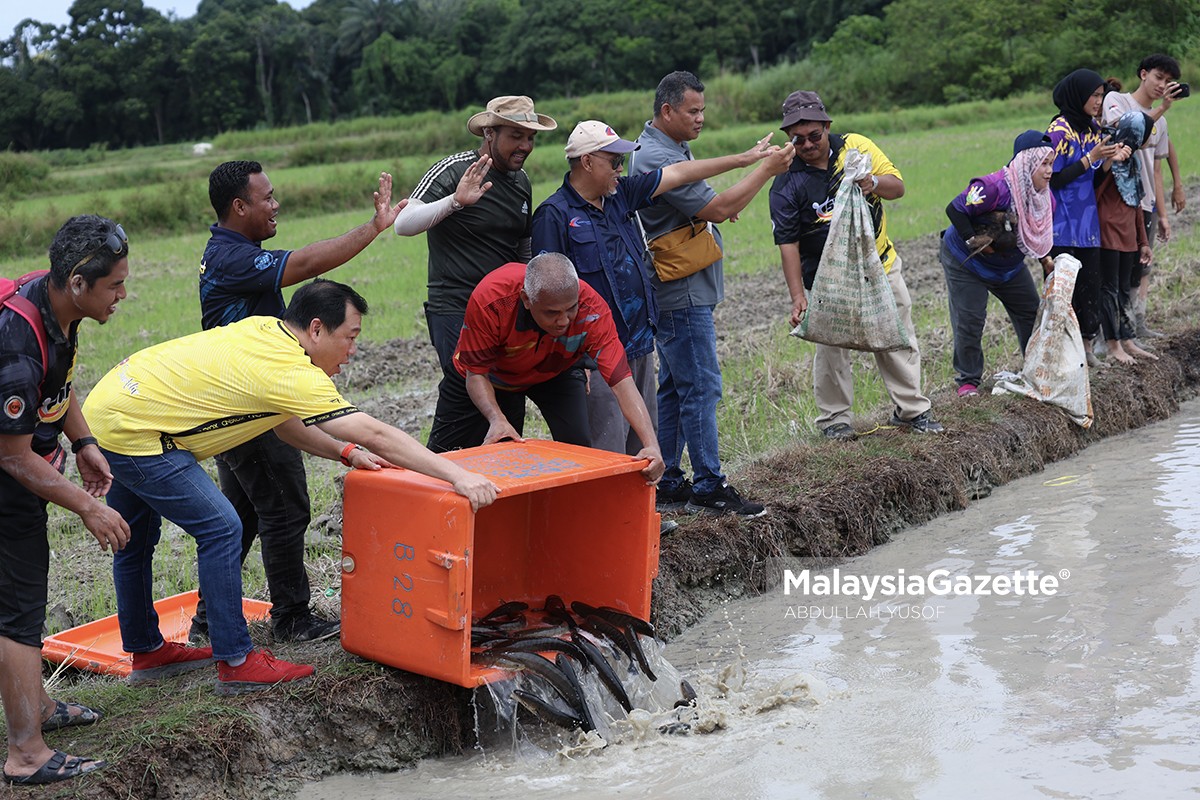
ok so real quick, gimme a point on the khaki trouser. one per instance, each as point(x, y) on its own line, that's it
point(833, 382)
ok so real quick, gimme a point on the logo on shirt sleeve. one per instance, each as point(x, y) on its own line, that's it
point(263, 261)
point(975, 195)
point(14, 407)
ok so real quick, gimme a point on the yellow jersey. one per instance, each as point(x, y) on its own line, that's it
point(210, 391)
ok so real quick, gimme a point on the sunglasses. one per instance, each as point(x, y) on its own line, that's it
point(116, 241)
point(812, 138)
point(616, 161)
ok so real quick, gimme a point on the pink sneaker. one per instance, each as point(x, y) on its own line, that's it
point(968, 390)
point(261, 670)
point(170, 659)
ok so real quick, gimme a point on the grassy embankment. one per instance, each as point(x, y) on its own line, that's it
point(322, 168)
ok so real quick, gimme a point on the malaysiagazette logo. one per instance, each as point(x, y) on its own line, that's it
point(938, 583)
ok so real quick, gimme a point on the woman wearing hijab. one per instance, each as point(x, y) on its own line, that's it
point(1123, 242)
point(996, 222)
point(1080, 151)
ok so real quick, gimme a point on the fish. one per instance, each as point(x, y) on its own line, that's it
point(602, 627)
point(544, 711)
point(615, 616)
point(564, 665)
point(505, 612)
point(689, 694)
point(556, 609)
point(603, 669)
point(634, 645)
point(545, 669)
point(540, 644)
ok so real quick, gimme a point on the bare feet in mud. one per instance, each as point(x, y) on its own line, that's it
point(1133, 350)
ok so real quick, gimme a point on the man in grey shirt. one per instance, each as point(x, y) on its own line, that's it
point(689, 375)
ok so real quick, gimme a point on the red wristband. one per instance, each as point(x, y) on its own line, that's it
point(346, 451)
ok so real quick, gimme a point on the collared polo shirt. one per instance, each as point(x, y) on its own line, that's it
point(211, 391)
point(28, 411)
point(501, 340)
point(802, 202)
point(608, 252)
point(477, 239)
point(675, 209)
point(239, 279)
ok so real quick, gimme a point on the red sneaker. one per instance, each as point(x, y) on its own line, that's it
point(170, 659)
point(261, 670)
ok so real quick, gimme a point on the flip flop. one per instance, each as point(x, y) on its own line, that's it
point(63, 718)
point(59, 767)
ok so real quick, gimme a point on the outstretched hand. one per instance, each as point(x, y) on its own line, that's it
point(472, 186)
point(761, 149)
point(385, 212)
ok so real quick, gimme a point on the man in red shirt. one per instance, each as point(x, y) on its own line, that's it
point(525, 333)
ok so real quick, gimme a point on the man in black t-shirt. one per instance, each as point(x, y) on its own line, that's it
point(477, 207)
point(38, 338)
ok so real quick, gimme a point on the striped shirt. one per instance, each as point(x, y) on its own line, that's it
point(472, 242)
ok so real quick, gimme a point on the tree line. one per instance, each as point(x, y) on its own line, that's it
point(120, 74)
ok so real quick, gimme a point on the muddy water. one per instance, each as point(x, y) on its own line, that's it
point(1089, 691)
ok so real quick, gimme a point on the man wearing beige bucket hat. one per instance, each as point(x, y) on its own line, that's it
point(477, 209)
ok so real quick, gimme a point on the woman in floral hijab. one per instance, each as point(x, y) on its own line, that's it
point(996, 222)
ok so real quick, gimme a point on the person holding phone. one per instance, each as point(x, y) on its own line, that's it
point(1158, 80)
point(1080, 150)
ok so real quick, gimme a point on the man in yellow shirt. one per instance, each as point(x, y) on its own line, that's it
point(161, 411)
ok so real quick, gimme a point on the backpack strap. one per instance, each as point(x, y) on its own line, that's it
point(22, 306)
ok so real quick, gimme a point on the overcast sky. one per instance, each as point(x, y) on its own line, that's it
point(55, 11)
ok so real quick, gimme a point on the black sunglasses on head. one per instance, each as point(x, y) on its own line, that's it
point(116, 241)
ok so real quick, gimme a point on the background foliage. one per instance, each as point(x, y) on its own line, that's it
point(121, 74)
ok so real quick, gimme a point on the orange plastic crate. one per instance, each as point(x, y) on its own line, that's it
point(96, 646)
point(418, 564)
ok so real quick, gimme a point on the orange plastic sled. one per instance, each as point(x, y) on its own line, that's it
point(96, 646)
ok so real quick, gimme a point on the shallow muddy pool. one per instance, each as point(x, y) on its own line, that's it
point(1042, 643)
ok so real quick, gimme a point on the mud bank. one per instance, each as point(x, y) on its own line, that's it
point(826, 501)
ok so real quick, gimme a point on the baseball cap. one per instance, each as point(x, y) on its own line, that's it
point(592, 135)
point(1029, 140)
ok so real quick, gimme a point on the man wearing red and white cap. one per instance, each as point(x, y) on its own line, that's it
point(590, 219)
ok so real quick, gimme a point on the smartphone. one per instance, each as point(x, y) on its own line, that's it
point(1182, 90)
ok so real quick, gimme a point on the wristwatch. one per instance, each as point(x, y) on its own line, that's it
point(457, 206)
point(82, 442)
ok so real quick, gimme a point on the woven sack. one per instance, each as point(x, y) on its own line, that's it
point(851, 304)
point(1055, 369)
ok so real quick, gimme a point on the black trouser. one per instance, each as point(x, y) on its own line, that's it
point(562, 400)
point(24, 563)
point(1116, 270)
point(265, 482)
point(1086, 299)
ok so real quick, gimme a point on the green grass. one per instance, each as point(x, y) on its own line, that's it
point(768, 398)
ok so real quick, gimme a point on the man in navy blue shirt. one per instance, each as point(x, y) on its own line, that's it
point(264, 478)
point(89, 261)
point(590, 219)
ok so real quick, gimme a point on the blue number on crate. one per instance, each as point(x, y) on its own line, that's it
point(404, 552)
point(401, 608)
point(514, 466)
point(399, 584)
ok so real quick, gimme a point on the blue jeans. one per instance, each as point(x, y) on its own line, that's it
point(146, 489)
point(689, 388)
